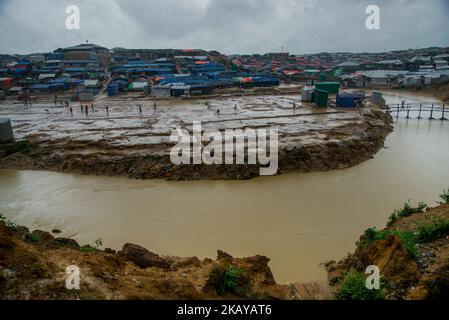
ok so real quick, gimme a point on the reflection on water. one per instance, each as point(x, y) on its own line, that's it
point(298, 220)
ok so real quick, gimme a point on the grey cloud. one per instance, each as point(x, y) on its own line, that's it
point(230, 26)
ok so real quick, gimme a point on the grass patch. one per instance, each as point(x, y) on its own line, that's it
point(434, 231)
point(407, 211)
point(87, 248)
point(230, 280)
point(98, 245)
point(353, 287)
point(424, 234)
point(23, 146)
point(408, 239)
point(445, 197)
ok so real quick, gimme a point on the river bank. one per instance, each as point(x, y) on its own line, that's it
point(33, 266)
point(411, 254)
point(123, 144)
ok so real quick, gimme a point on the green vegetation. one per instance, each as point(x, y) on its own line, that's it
point(23, 146)
point(33, 237)
point(98, 244)
point(445, 197)
point(407, 211)
point(230, 280)
point(353, 287)
point(424, 234)
point(88, 248)
point(434, 231)
point(9, 224)
point(407, 238)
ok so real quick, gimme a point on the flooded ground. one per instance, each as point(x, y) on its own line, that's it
point(121, 125)
point(298, 220)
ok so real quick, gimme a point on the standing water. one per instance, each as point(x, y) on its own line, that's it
point(298, 220)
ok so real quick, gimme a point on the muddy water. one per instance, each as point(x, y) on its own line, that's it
point(298, 220)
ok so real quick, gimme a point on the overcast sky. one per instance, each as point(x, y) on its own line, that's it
point(229, 26)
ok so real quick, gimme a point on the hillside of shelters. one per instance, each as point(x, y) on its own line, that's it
point(83, 71)
point(77, 71)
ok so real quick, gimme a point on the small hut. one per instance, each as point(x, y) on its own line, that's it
point(6, 134)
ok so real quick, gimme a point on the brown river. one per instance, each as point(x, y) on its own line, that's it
point(298, 220)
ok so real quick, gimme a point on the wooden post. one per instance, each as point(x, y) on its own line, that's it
point(397, 115)
point(442, 113)
point(408, 111)
point(431, 113)
point(420, 108)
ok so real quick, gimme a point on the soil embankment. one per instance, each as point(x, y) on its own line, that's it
point(412, 253)
point(33, 266)
point(139, 147)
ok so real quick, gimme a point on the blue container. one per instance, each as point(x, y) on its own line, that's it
point(349, 100)
point(113, 89)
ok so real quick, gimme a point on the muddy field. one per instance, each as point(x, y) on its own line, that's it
point(113, 138)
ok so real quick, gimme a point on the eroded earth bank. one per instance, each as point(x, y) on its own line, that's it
point(411, 253)
point(121, 142)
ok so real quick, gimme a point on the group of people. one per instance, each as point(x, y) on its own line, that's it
point(62, 103)
point(85, 108)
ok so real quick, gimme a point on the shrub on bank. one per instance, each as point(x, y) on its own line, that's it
point(229, 280)
point(407, 211)
point(445, 197)
point(407, 238)
point(18, 146)
point(353, 287)
point(434, 231)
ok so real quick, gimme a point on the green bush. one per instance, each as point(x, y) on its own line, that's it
point(407, 211)
point(408, 239)
point(98, 244)
point(33, 237)
point(445, 197)
point(436, 230)
point(9, 224)
point(353, 287)
point(18, 146)
point(230, 280)
point(424, 234)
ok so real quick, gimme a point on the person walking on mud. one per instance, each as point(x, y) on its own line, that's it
point(107, 111)
point(56, 100)
point(87, 110)
point(155, 106)
point(92, 106)
point(235, 107)
point(71, 111)
point(218, 112)
point(140, 109)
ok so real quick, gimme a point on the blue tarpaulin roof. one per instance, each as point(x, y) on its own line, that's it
point(42, 86)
